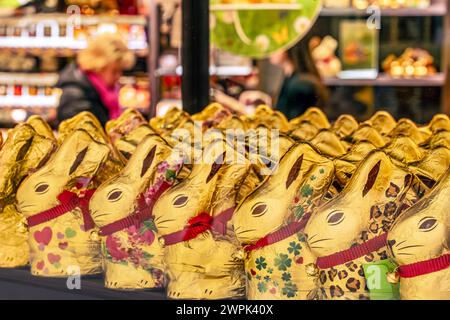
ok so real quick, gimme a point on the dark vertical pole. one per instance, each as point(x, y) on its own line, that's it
point(152, 62)
point(195, 55)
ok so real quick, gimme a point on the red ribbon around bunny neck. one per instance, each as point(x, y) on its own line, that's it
point(279, 235)
point(199, 224)
point(424, 267)
point(141, 213)
point(352, 253)
point(68, 202)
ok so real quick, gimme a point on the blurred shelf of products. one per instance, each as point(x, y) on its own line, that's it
point(407, 56)
point(38, 40)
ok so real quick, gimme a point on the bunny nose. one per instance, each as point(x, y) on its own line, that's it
point(391, 243)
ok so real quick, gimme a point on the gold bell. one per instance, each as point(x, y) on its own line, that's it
point(22, 226)
point(238, 255)
point(393, 277)
point(94, 236)
point(161, 241)
point(311, 270)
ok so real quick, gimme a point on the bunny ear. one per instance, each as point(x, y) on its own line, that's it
point(371, 178)
point(148, 161)
point(23, 150)
point(294, 172)
point(78, 160)
point(215, 167)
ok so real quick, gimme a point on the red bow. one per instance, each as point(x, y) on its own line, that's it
point(68, 202)
point(199, 224)
point(143, 212)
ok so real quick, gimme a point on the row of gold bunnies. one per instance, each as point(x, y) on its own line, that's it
point(345, 210)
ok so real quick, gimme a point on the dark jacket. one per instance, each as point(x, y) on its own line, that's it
point(78, 94)
point(296, 96)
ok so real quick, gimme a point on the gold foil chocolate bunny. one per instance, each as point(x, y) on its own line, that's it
point(270, 220)
point(366, 132)
point(122, 209)
point(174, 118)
point(419, 243)
point(54, 200)
point(41, 127)
point(313, 115)
point(88, 122)
point(350, 230)
point(202, 261)
point(408, 128)
point(432, 166)
point(348, 163)
point(383, 122)
point(329, 144)
point(127, 131)
point(24, 151)
point(345, 125)
point(438, 139)
point(438, 123)
point(304, 130)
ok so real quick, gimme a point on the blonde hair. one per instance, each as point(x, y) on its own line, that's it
point(104, 49)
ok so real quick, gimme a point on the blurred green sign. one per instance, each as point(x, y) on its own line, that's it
point(257, 29)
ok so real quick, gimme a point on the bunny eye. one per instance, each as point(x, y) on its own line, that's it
point(259, 209)
point(180, 201)
point(427, 224)
point(114, 195)
point(41, 188)
point(335, 218)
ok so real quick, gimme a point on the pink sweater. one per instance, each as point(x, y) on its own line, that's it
point(108, 95)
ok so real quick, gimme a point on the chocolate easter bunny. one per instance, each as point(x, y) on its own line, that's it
point(304, 130)
point(438, 123)
point(127, 131)
point(83, 120)
point(88, 122)
point(419, 243)
point(432, 166)
point(383, 122)
point(270, 220)
point(122, 209)
point(127, 121)
point(202, 261)
point(41, 126)
point(174, 118)
point(313, 115)
point(345, 125)
point(350, 230)
point(407, 127)
point(329, 143)
point(438, 139)
point(272, 119)
point(346, 165)
point(212, 115)
point(366, 132)
point(404, 149)
point(54, 200)
point(24, 151)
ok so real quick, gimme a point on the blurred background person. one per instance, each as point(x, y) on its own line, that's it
point(302, 86)
point(91, 84)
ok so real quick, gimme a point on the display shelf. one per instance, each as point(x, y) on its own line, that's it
point(20, 284)
point(63, 18)
point(65, 33)
point(255, 6)
point(439, 8)
point(384, 80)
point(221, 71)
point(30, 79)
point(29, 101)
